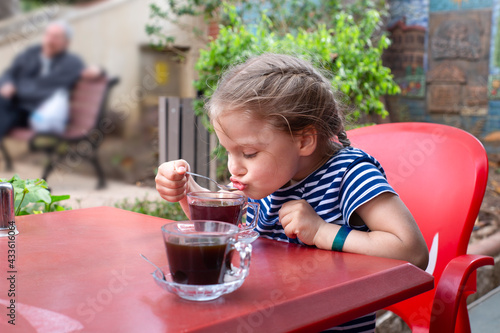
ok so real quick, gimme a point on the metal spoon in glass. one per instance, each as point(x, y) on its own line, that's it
point(152, 263)
point(220, 186)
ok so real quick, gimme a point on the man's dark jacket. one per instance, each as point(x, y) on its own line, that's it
point(31, 88)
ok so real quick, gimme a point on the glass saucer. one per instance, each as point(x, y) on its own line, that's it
point(8, 232)
point(248, 236)
point(198, 292)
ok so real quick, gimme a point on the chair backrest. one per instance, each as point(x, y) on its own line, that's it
point(88, 100)
point(440, 173)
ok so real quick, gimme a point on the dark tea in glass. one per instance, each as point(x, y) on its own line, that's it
point(199, 252)
point(226, 207)
point(197, 264)
point(229, 213)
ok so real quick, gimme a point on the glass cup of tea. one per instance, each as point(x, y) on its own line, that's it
point(7, 216)
point(226, 207)
point(200, 258)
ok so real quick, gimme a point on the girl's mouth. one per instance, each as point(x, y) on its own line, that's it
point(240, 186)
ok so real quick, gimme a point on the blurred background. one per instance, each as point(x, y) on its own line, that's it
point(393, 60)
point(111, 34)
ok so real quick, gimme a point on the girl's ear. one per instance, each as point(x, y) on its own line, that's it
point(308, 141)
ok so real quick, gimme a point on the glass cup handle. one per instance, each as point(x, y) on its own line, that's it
point(256, 209)
point(245, 252)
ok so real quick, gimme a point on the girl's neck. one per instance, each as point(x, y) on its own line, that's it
point(309, 164)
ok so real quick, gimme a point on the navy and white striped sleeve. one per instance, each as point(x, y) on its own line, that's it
point(362, 181)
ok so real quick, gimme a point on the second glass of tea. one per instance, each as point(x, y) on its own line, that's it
point(225, 207)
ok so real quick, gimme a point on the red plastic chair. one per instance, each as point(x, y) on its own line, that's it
point(440, 173)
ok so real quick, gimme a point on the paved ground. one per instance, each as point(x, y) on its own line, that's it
point(485, 313)
point(83, 188)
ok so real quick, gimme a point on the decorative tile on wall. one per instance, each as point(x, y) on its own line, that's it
point(457, 39)
point(414, 12)
point(495, 40)
point(446, 59)
point(457, 79)
point(494, 87)
point(412, 85)
point(494, 107)
point(411, 109)
point(407, 55)
point(449, 5)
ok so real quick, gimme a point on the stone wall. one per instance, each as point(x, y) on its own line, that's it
point(446, 60)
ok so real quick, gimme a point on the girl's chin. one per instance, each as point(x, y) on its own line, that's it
point(255, 195)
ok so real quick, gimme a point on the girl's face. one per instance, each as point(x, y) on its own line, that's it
point(261, 159)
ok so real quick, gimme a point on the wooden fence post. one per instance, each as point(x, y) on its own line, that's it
point(188, 134)
point(173, 128)
point(182, 135)
point(162, 130)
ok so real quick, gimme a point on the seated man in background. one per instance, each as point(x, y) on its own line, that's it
point(37, 74)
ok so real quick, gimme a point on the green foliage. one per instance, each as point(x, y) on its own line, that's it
point(164, 209)
point(348, 51)
point(345, 40)
point(33, 197)
point(286, 16)
point(171, 11)
point(28, 5)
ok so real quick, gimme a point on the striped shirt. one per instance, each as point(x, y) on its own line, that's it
point(346, 181)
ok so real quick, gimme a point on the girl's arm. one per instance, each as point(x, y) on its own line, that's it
point(394, 233)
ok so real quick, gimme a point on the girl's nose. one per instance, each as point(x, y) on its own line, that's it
point(234, 167)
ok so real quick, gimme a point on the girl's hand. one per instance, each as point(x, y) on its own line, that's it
point(300, 220)
point(171, 180)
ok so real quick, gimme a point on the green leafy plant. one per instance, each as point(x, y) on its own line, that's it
point(159, 208)
point(28, 5)
point(287, 16)
point(31, 196)
point(347, 51)
point(172, 11)
point(345, 40)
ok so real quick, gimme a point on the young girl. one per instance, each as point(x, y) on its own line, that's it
point(283, 130)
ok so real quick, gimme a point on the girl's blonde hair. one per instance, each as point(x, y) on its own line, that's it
point(285, 91)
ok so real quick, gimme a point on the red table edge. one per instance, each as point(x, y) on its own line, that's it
point(369, 307)
point(228, 324)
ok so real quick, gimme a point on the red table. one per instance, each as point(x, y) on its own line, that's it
point(81, 270)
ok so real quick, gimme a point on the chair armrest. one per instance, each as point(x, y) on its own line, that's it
point(450, 289)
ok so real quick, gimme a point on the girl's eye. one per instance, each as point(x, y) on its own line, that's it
point(248, 156)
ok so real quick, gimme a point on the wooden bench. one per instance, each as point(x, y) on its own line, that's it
point(84, 130)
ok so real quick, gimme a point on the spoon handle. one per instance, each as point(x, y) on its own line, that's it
point(155, 265)
point(210, 179)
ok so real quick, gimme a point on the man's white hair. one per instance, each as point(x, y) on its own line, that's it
point(68, 31)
